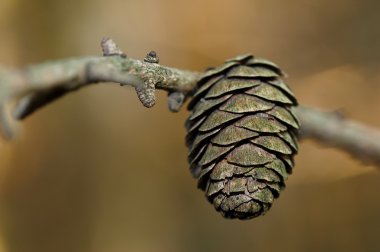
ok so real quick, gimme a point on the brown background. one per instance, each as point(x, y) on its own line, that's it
point(95, 171)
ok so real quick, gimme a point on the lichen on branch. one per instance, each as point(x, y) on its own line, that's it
point(24, 91)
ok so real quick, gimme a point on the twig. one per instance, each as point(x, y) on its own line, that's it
point(23, 91)
point(332, 129)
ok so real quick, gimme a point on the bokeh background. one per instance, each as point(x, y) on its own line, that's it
point(96, 171)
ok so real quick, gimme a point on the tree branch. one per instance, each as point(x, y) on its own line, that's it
point(332, 129)
point(23, 91)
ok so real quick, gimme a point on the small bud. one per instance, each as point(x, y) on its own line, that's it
point(152, 57)
point(175, 101)
point(110, 48)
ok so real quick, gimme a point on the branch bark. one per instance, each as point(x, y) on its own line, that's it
point(332, 129)
point(24, 91)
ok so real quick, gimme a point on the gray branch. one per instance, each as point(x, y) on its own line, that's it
point(332, 129)
point(24, 91)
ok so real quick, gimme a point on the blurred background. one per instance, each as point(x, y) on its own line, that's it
point(96, 171)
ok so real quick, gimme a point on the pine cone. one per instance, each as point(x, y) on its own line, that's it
point(242, 135)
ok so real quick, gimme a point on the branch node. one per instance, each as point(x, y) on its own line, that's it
point(146, 94)
point(339, 113)
point(110, 48)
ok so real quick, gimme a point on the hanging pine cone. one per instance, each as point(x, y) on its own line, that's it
point(242, 136)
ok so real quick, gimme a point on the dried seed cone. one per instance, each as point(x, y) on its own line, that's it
point(242, 135)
